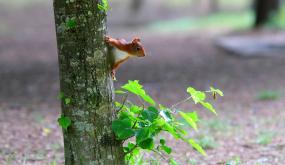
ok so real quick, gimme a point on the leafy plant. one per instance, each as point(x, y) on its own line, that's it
point(139, 125)
point(64, 122)
point(71, 23)
point(104, 6)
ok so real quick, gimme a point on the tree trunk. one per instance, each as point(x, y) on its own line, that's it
point(136, 5)
point(85, 80)
point(213, 6)
point(263, 10)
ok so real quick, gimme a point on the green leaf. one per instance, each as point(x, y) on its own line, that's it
point(191, 121)
point(71, 23)
point(137, 89)
point(101, 7)
point(162, 107)
point(136, 109)
point(218, 91)
point(104, 6)
point(147, 144)
point(126, 115)
point(194, 116)
point(173, 162)
point(166, 115)
point(169, 128)
point(167, 149)
point(120, 92)
point(150, 114)
point(197, 147)
point(162, 142)
point(118, 104)
point(209, 107)
point(197, 96)
point(64, 122)
point(181, 131)
point(67, 101)
point(143, 134)
point(129, 147)
point(158, 123)
point(123, 129)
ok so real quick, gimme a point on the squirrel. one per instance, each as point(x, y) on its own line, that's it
point(132, 49)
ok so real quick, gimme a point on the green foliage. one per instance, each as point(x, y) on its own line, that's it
point(71, 23)
point(278, 19)
point(232, 20)
point(142, 124)
point(234, 161)
point(64, 122)
point(197, 146)
point(123, 128)
point(137, 89)
point(268, 95)
point(67, 101)
point(104, 6)
point(53, 163)
point(173, 162)
point(191, 119)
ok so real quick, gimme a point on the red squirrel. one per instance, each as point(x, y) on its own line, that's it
point(132, 49)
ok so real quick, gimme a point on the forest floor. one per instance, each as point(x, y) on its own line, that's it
point(249, 128)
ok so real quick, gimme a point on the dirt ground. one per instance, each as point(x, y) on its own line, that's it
point(248, 129)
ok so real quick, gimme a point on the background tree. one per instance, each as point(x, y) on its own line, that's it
point(85, 84)
point(136, 5)
point(263, 10)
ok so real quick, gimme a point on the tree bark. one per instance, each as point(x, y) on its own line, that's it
point(263, 10)
point(85, 80)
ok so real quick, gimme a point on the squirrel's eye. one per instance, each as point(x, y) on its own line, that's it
point(138, 48)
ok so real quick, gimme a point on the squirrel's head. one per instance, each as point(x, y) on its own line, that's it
point(137, 48)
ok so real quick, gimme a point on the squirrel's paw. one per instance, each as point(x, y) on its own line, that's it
point(113, 76)
point(106, 38)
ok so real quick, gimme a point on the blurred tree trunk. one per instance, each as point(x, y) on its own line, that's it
point(214, 6)
point(85, 80)
point(208, 6)
point(136, 5)
point(263, 10)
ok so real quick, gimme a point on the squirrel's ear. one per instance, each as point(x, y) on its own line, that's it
point(136, 39)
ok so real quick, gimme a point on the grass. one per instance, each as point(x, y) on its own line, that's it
point(206, 142)
point(277, 20)
point(234, 161)
point(215, 125)
point(193, 161)
point(266, 95)
point(230, 20)
point(265, 138)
